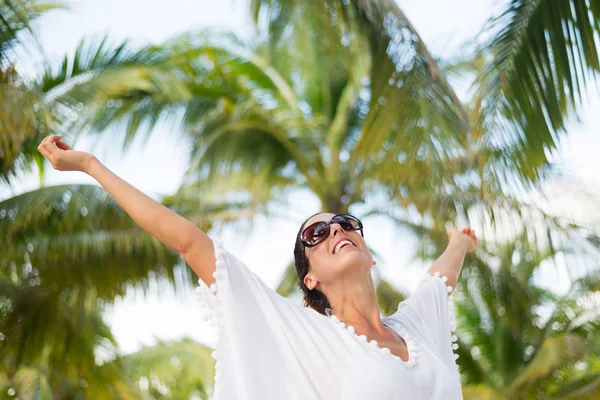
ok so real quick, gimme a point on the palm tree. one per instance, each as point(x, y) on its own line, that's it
point(521, 341)
point(259, 132)
point(69, 250)
point(260, 115)
point(537, 66)
point(344, 100)
point(375, 117)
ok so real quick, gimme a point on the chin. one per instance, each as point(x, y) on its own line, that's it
point(354, 259)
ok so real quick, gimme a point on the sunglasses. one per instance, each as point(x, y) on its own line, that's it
point(317, 232)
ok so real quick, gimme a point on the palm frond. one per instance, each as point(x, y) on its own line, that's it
point(311, 33)
point(24, 121)
point(15, 19)
point(55, 330)
point(83, 89)
point(504, 343)
point(77, 236)
point(540, 58)
point(554, 354)
point(404, 76)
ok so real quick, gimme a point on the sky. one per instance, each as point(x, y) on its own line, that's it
point(157, 168)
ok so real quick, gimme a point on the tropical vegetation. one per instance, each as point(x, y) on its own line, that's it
point(340, 99)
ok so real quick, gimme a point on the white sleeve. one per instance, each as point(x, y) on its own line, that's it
point(260, 334)
point(431, 313)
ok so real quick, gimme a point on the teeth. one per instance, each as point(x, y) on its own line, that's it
point(340, 244)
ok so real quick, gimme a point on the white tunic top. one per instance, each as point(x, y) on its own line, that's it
point(269, 347)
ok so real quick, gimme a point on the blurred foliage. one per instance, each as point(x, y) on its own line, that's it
point(339, 98)
point(24, 118)
point(519, 340)
point(178, 370)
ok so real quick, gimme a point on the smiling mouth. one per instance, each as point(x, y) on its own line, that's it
point(348, 244)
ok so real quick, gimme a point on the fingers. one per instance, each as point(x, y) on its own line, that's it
point(51, 139)
point(471, 234)
point(51, 146)
point(42, 148)
point(469, 231)
point(63, 145)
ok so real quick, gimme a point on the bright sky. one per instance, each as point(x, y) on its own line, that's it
point(157, 168)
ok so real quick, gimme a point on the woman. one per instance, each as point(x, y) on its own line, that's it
point(336, 348)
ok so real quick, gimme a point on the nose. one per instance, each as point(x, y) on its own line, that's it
point(335, 228)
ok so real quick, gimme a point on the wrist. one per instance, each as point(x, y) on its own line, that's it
point(460, 243)
point(89, 164)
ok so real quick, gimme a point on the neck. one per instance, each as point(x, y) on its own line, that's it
point(355, 303)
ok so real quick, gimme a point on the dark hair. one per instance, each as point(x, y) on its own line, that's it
point(313, 298)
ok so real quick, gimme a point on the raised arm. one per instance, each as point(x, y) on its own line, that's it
point(173, 230)
point(450, 263)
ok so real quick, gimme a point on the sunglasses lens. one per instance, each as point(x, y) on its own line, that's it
point(348, 223)
point(316, 232)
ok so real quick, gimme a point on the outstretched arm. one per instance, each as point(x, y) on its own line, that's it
point(167, 226)
point(450, 263)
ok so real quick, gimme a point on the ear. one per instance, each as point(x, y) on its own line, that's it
point(310, 282)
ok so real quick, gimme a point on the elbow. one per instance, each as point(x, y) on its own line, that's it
point(183, 248)
point(190, 239)
point(186, 239)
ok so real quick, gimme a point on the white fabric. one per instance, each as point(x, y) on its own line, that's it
point(269, 347)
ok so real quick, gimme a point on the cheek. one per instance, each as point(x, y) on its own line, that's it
point(320, 257)
point(328, 266)
point(321, 263)
point(363, 244)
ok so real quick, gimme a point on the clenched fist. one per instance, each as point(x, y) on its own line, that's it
point(466, 237)
point(62, 157)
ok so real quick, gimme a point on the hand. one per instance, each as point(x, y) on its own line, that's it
point(466, 237)
point(62, 157)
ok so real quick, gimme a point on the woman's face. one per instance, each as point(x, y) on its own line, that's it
point(329, 264)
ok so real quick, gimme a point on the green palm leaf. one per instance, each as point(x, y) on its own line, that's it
point(506, 346)
point(23, 124)
point(555, 353)
point(87, 241)
point(15, 19)
point(57, 332)
point(540, 58)
point(24, 119)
